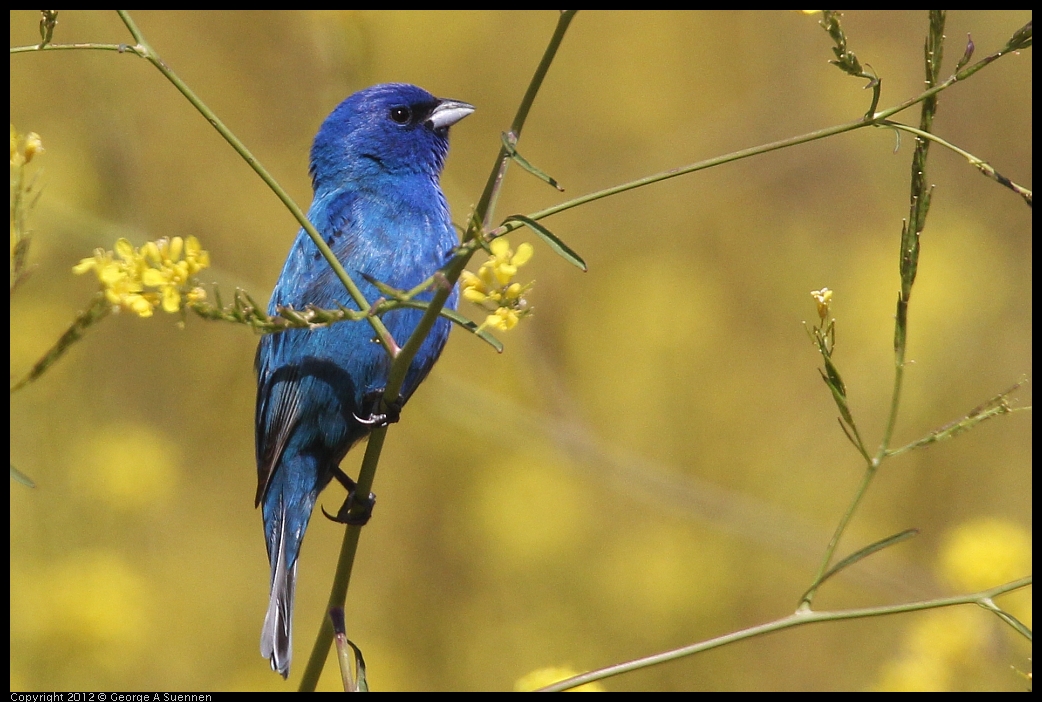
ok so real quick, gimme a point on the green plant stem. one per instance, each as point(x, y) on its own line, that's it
point(895, 395)
point(830, 550)
point(908, 265)
point(382, 333)
point(994, 407)
point(684, 170)
point(918, 209)
point(799, 618)
point(483, 213)
point(92, 46)
point(99, 309)
point(144, 50)
point(879, 119)
point(980, 164)
point(345, 564)
point(444, 282)
point(950, 431)
point(486, 206)
point(876, 120)
point(1005, 616)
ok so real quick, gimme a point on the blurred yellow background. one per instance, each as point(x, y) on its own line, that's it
point(651, 462)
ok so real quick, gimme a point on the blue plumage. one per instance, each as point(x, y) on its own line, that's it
point(375, 166)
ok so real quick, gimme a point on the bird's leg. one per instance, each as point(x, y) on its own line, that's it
point(343, 515)
point(380, 419)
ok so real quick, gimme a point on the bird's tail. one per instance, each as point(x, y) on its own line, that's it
point(276, 642)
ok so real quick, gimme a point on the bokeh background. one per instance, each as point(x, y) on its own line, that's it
point(651, 462)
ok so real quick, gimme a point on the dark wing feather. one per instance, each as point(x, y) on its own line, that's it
point(278, 412)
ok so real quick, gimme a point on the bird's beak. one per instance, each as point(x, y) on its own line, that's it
point(448, 112)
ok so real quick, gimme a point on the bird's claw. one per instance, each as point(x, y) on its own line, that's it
point(359, 518)
point(343, 515)
point(373, 420)
point(391, 415)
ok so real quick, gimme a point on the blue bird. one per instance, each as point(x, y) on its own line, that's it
point(375, 169)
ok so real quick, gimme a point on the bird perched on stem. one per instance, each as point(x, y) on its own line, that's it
point(375, 168)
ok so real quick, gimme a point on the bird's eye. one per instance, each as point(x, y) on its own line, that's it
point(401, 115)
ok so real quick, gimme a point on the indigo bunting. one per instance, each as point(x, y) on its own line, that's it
point(375, 168)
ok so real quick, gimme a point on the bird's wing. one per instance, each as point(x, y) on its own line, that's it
point(278, 412)
point(306, 277)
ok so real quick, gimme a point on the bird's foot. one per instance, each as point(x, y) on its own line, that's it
point(362, 510)
point(355, 510)
point(390, 415)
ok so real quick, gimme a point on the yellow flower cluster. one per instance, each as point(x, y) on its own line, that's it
point(140, 280)
point(492, 288)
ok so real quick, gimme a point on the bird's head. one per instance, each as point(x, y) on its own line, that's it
point(388, 129)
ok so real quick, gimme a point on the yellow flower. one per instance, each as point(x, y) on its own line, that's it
point(24, 148)
point(824, 298)
point(157, 265)
point(492, 289)
point(473, 288)
point(33, 146)
point(504, 262)
point(504, 319)
point(196, 257)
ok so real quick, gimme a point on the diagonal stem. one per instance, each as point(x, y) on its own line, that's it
point(145, 50)
point(400, 366)
point(799, 618)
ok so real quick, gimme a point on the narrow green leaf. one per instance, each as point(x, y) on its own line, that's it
point(21, 477)
point(473, 329)
point(508, 144)
point(840, 398)
point(864, 553)
point(456, 317)
point(550, 238)
point(846, 431)
point(385, 289)
point(834, 376)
